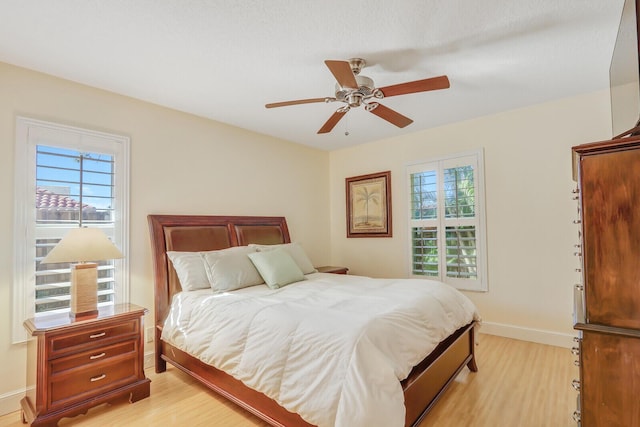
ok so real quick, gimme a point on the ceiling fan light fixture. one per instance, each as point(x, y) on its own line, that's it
point(365, 89)
point(354, 99)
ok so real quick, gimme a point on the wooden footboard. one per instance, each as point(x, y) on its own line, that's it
point(428, 380)
point(224, 384)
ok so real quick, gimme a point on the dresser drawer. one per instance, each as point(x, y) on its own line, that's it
point(609, 385)
point(89, 337)
point(80, 384)
point(95, 355)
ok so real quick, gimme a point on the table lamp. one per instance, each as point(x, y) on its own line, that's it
point(82, 246)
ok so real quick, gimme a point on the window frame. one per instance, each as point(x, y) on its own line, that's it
point(75, 138)
point(476, 159)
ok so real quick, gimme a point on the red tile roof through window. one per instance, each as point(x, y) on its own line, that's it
point(48, 199)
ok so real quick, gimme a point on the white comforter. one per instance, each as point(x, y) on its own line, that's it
point(332, 348)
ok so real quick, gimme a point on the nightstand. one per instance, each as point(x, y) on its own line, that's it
point(74, 365)
point(332, 269)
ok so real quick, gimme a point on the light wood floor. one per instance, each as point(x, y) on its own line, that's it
point(518, 384)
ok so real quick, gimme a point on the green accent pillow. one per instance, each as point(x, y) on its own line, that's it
point(295, 250)
point(276, 267)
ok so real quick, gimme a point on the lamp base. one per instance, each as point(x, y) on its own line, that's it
point(84, 315)
point(84, 290)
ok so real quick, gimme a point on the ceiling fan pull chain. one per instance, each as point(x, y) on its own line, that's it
point(346, 127)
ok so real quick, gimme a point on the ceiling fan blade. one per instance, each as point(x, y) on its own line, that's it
point(390, 115)
point(433, 83)
point(341, 70)
point(333, 120)
point(298, 101)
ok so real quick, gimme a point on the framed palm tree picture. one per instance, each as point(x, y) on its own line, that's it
point(369, 205)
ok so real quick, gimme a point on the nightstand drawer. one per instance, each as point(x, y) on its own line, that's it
point(93, 379)
point(96, 355)
point(92, 336)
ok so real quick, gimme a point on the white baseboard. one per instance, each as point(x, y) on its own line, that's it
point(149, 359)
point(540, 336)
point(10, 402)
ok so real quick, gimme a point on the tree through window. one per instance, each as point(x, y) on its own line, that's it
point(447, 221)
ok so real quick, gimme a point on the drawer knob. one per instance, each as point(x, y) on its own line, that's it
point(97, 356)
point(579, 287)
point(101, 334)
point(576, 362)
point(575, 351)
point(98, 378)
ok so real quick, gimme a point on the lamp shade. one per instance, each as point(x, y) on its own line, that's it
point(82, 245)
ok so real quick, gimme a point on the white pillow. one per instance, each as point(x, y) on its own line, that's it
point(276, 267)
point(191, 270)
point(230, 269)
point(295, 250)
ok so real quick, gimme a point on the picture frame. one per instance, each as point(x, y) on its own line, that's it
point(369, 205)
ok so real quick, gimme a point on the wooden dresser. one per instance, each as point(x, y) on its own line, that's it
point(75, 365)
point(607, 302)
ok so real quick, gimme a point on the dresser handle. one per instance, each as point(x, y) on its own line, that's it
point(576, 339)
point(101, 334)
point(578, 270)
point(575, 351)
point(576, 362)
point(578, 287)
point(577, 254)
point(577, 221)
point(576, 384)
point(575, 191)
point(576, 416)
point(97, 356)
point(99, 377)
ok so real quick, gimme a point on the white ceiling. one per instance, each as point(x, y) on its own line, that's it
point(225, 59)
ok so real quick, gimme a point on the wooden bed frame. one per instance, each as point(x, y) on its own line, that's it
point(422, 388)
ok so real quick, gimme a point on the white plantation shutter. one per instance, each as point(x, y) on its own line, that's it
point(446, 222)
point(65, 178)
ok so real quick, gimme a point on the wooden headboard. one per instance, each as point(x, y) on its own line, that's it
point(191, 233)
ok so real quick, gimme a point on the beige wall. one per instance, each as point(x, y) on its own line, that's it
point(179, 164)
point(530, 234)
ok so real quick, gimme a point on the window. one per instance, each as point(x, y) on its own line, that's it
point(66, 177)
point(446, 224)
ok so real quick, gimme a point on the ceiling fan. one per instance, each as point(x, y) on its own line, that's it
point(354, 90)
